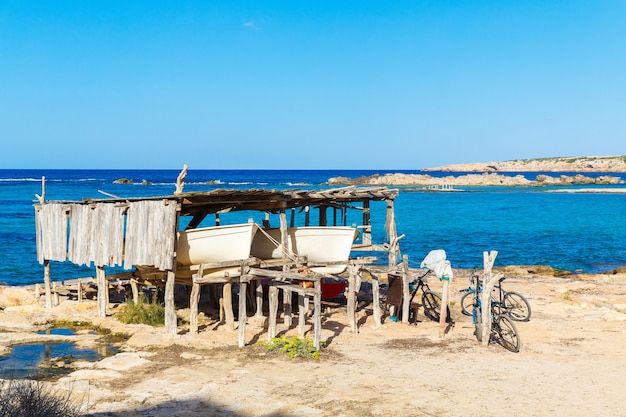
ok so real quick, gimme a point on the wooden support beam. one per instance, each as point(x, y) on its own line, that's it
point(406, 293)
point(170, 307)
point(351, 297)
point(194, 299)
point(103, 291)
point(317, 314)
point(489, 280)
point(273, 301)
point(229, 315)
point(243, 316)
point(46, 280)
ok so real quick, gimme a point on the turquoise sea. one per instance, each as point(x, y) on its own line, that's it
point(579, 232)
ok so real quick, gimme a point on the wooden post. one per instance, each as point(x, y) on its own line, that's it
point(46, 280)
point(367, 223)
point(302, 311)
point(351, 297)
point(79, 289)
point(445, 300)
point(390, 224)
point(228, 305)
point(171, 320)
point(259, 300)
point(55, 294)
point(406, 293)
point(103, 291)
point(135, 291)
point(489, 280)
point(376, 300)
point(286, 249)
point(273, 301)
point(242, 313)
point(194, 299)
point(307, 216)
point(317, 314)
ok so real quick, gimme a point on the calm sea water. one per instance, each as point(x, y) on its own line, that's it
point(578, 232)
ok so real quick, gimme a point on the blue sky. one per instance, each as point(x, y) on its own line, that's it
point(308, 84)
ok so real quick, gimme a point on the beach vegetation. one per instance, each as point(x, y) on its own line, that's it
point(568, 296)
point(25, 397)
point(143, 312)
point(294, 347)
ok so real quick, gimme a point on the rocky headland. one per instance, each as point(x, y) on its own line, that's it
point(484, 179)
point(559, 164)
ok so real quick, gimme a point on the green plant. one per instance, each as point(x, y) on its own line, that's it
point(142, 312)
point(293, 347)
point(25, 397)
point(568, 296)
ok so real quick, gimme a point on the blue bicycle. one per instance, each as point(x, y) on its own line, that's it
point(515, 304)
point(503, 330)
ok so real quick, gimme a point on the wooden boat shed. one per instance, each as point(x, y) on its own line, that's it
point(143, 231)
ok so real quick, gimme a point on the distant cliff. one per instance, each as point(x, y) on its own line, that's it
point(562, 164)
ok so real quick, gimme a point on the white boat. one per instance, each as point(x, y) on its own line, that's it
point(216, 244)
point(319, 244)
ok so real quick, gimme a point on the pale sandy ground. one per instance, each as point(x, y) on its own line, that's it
point(572, 363)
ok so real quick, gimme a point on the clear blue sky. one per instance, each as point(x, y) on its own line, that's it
point(308, 84)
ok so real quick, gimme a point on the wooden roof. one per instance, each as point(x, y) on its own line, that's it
point(203, 203)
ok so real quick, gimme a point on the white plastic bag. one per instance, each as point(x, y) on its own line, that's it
point(436, 262)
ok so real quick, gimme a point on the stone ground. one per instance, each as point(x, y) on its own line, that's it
point(572, 361)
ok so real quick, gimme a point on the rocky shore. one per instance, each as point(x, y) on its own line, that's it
point(484, 179)
point(561, 164)
point(570, 364)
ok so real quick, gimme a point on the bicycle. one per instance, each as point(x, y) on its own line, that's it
point(503, 330)
point(516, 305)
point(431, 300)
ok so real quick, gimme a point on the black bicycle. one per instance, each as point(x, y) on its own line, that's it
point(503, 330)
point(515, 304)
point(431, 300)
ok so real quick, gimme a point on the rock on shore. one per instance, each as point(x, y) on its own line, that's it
point(561, 164)
point(485, 179)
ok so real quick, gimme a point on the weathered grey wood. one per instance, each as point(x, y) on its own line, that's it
point(489, 280)
point(259, 299)
point(171, 318)
point(180, 180)
point(194, 299)
point(445, 301)
point(287, 309)
point(55, 295)
point(48, 287)
point(376, 300)
point(317, 314)
point(135, 290)
point(302, 312)
point(103, 291)
point(227, 296)
point(406, 294)
point(79, 290)
point(351, 297)
point(273, 301)
point(243, 316)
point(390, 227)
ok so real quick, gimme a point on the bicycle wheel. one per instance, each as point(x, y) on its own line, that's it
point(432, 306)
point(477, 318)
point(506, 333)
point(517, 305)
point(467, 303)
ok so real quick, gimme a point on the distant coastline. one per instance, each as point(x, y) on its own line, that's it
point(558, 164)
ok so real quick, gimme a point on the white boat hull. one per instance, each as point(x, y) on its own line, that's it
point(319, 244)
point(215, 244)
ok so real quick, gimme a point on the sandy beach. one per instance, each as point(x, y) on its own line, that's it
point(571, 362)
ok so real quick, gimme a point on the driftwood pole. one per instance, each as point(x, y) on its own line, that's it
point(351, 296)
point(376, 299)
point(445, 301)
point(489, 280)
point(103, 291)
point(406, 295)
point(46, 280)
point(284, 237)
point(243, 315)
